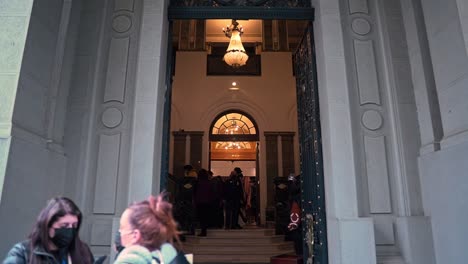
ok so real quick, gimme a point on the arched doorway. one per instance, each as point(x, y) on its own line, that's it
point(234, 143)
point(313, 198)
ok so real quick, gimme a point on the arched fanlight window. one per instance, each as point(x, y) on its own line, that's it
point(234, 124)
point(233, 136)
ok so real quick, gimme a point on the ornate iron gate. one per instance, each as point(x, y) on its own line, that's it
point(313, 196)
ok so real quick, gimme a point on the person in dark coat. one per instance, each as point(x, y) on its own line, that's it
point(233, 195)
point(243, 203)
point(203, 197)
point(184, 212)
point(252, 206)
point(55, 237)
point(218, 212)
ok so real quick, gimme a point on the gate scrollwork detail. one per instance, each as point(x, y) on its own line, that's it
point(258, 3)
point(309, 237)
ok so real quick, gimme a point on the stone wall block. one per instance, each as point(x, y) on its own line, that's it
point(12, 42)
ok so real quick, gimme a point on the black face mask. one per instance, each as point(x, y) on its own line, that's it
point(64, 237)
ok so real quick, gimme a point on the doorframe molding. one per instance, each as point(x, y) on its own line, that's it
point(236, 12)
point(241, 12)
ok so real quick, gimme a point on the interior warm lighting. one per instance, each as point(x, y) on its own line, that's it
point(233, 87)
point(229, 146)
point(233, 145)
point(235, 54)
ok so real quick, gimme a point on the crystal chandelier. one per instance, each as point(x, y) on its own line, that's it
point(235, 54)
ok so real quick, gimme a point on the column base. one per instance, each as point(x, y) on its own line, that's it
point(415, 239)
point(351, 240)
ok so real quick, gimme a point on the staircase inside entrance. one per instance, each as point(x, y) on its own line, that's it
point(255, 245)
point(248, 245)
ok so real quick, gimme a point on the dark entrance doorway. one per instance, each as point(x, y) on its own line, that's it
point(313, 199)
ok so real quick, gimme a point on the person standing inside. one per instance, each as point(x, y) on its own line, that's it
point(233, 196)
point(218, 212)
point(184, 202)
point(203, 197)
point(55, 237)
point(243, 204)
point(252, 208)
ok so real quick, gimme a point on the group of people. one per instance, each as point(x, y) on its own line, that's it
point(147, 234)
point(219, 202)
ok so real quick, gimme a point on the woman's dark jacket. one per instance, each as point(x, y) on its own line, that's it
point(21, 252)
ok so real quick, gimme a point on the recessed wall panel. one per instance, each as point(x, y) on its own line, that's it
point(366, 72)
point(358, 6)
point(377, 175)
point(106, 174)
point(101, 233)
point(123, 5)
point(117, 70)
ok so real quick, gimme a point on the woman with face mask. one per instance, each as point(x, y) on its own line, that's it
point(54, 238)
point(148, 233)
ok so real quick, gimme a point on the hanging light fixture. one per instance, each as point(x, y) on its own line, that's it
point(235, 54)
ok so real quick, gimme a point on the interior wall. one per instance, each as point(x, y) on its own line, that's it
point(197, 98)
point(37, 162)
point(195, 95)
point(270, 99)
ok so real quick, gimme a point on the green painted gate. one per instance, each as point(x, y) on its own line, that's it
point(310, 146)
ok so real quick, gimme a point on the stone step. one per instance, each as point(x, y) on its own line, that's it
point(204, 258)
point(223, 240)
point(248, 245)
point(244, 249)
point(238, 233)
point(390, 260)
point(389, 255)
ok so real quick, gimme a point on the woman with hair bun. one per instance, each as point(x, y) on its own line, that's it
point(54, 238)
point(149, 234)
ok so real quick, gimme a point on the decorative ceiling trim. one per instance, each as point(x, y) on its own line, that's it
point(264, 3)
point(240, 12)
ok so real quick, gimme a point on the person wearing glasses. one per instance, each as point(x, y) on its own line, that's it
point(54, 238)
